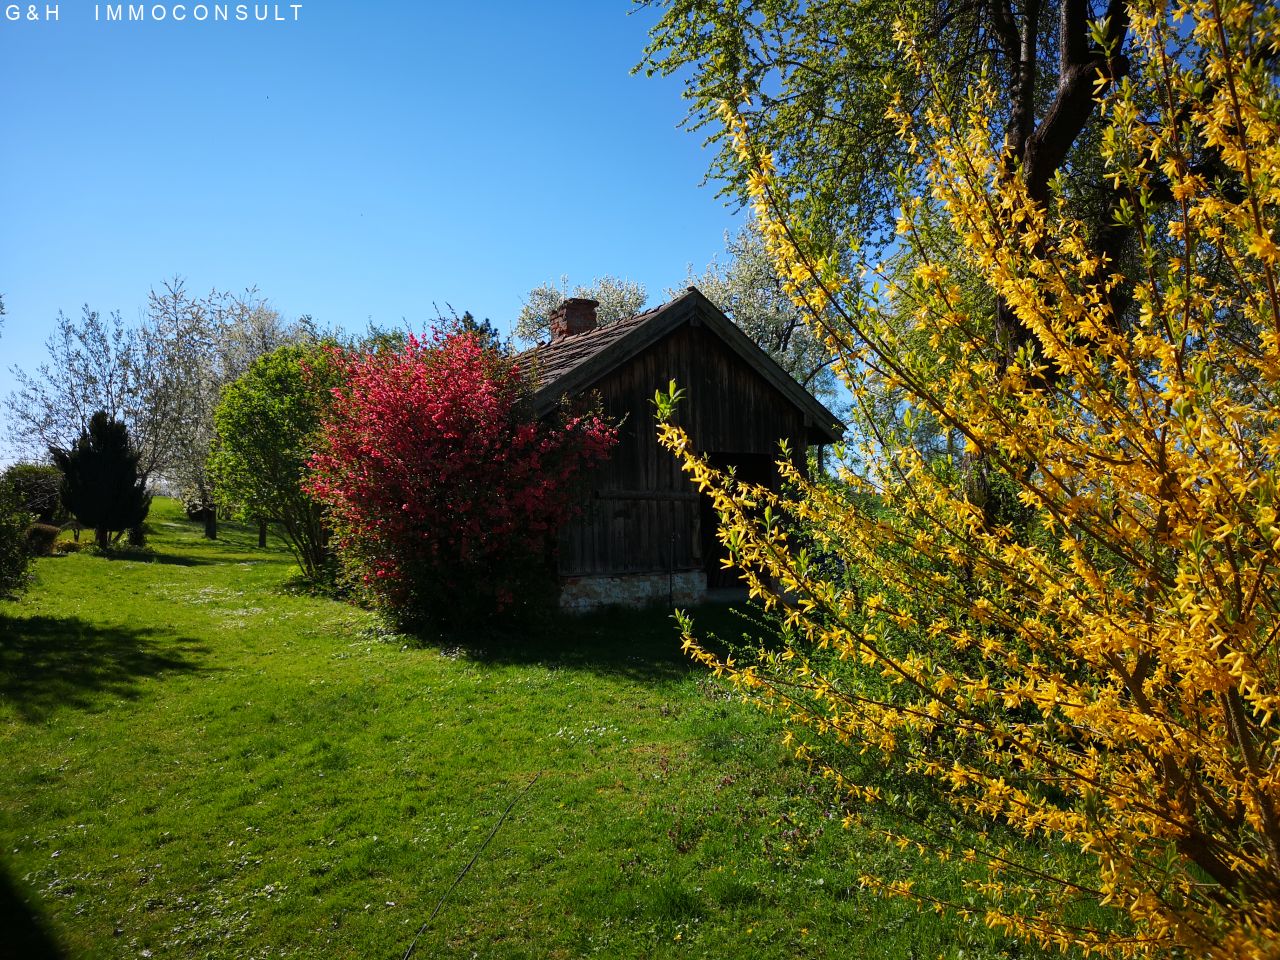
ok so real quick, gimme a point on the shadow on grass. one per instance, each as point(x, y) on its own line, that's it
point(26, 932)
point(147, 556)
point(48, 663)
point(638, 644)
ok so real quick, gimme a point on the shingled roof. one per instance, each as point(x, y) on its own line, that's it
point(569, 365)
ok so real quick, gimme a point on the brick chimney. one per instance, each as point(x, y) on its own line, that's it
point(576, 315)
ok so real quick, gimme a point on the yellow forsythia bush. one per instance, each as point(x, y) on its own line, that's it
point(1099, 676)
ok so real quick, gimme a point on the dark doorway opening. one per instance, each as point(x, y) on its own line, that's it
point(749, 468)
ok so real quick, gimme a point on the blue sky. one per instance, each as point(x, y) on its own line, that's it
point(358, 164)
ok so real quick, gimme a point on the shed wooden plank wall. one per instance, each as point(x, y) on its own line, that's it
point(642, 514)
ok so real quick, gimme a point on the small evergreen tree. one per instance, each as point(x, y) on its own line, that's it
point(101, 484)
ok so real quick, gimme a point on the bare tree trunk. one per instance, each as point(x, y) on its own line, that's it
point(1042, 146)
point(262, 532)
point(211, 522)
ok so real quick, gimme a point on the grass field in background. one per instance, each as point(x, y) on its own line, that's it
point(201, 761)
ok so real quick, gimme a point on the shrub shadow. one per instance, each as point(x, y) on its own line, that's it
point(48, 663)
point(641, 645)
point(26, 932)
point(146, 556)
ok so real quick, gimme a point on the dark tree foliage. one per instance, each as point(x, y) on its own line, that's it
point(449, 319)
point(39, 490)
point(15, 560)
point(102, 486)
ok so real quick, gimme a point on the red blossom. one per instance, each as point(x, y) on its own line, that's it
point(435, 473)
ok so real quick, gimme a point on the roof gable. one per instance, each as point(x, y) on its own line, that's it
point(570, 365)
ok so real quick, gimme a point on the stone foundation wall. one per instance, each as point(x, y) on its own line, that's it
point(685, 589)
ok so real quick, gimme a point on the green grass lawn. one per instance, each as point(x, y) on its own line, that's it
point(202, 762)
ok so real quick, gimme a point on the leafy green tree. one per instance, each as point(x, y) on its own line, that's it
point(266, 425)
point(102, 486)
point(814, 82)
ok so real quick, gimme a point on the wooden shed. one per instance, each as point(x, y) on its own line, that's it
point(645, 534)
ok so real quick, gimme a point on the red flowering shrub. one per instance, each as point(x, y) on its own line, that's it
point(443, 490)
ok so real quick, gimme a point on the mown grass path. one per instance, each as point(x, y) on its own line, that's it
point(199, 762)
